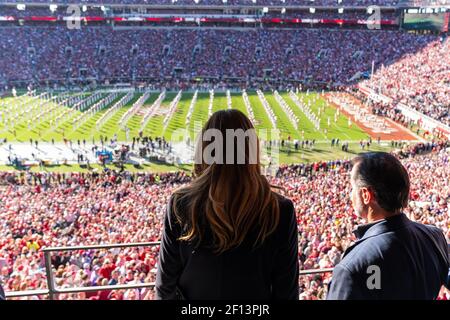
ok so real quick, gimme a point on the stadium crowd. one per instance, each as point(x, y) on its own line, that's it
point(320, 55)
point(327, 56)
point(39, 210)
point(226, 2)
point(419, 80)
point(96, 12)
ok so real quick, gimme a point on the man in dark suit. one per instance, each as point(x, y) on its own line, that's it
point(394, 257)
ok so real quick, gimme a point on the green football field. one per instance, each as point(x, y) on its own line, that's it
point(44, 129)
point(20, 121)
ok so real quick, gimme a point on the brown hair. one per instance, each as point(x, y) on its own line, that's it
point(230, 199)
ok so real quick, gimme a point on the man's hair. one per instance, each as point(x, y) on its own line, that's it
point(388, 179)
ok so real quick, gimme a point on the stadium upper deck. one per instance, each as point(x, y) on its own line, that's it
point(103, 53)
point(334, 3)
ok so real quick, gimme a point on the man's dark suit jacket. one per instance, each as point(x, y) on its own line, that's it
point(413, 262)
point(269, 271)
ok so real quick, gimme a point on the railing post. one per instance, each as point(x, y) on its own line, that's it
point(49, 273)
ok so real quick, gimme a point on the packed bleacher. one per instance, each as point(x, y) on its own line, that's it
point(319, 55)
point(419, 80)
point(411, 69)
point(39, 210)
point(224, 2)
point(59, 209)
point(45, 11)
point(330, 13)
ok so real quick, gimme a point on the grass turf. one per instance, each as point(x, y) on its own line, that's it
point(177, 123)
point(155, 127)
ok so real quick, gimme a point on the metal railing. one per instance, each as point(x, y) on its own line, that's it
point(52, 290)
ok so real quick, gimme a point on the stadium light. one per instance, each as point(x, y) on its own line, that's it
point(53, 7)
point(312, 10)
point(21, 7)
point(341, 10)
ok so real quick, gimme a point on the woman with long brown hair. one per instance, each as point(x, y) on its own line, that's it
point(228, 235)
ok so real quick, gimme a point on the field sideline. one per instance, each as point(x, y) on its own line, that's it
point(321, 152)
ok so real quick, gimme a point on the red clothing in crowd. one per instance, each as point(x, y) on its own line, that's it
point(104, 295)
point(106, 271)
